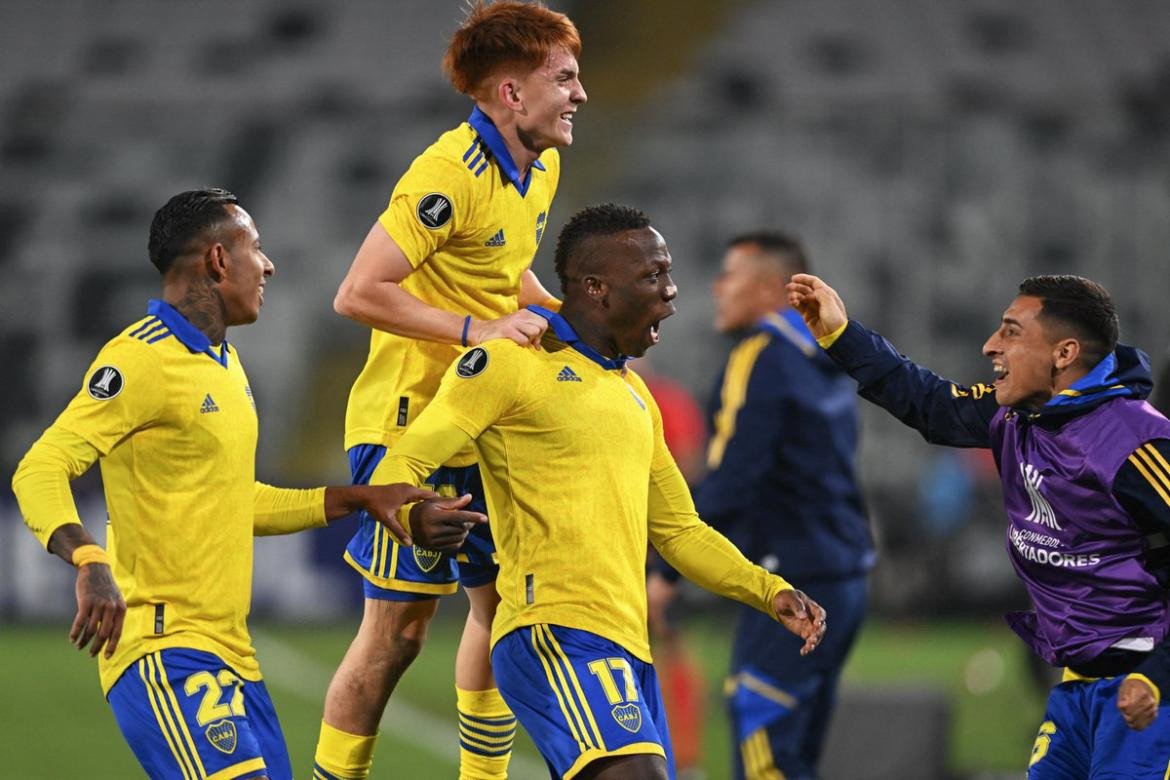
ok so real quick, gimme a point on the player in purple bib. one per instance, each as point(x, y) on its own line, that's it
point(1085, 466)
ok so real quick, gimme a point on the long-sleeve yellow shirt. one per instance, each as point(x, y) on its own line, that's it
point(578, 479)
point(173, 423)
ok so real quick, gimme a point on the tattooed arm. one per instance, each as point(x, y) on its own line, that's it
point(100, 606)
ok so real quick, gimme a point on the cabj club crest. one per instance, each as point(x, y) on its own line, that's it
point(222, 736)
point(628, 716)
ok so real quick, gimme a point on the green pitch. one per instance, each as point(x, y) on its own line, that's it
point(55, 723)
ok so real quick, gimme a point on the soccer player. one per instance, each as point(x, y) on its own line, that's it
point(578, 479)
point(167, 410)
point(1085, 466)
point(783, 486)
point(447, 265)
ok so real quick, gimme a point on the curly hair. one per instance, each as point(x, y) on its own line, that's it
point(590, 222)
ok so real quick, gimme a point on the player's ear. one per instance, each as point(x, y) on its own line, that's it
point(216, 261)
point(1066, 352)
point(508, 93)
point(595, 287)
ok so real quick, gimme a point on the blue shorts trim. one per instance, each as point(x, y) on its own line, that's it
point(580, 697)
point(396, 573)
point(1084, 735)
point(186, 714)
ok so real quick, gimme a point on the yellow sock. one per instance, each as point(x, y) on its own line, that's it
point(486, 730)
point(342, 756)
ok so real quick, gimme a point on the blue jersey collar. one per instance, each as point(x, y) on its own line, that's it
point(482, 124)
point(190, 336)
point(564, 331)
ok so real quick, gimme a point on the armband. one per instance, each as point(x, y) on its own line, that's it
point(89, 553)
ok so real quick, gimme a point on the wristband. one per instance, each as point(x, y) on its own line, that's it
point(831, 339)
point(89, 553)
point(466, 325)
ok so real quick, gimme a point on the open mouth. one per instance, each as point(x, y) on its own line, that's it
point(567, 118)
point(654, 330)
point(1001, 373)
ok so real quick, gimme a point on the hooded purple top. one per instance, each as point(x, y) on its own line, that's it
point(1081, 555)
point(1075, 547)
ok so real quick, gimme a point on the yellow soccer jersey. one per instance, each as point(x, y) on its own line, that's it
point(470, 227)
point(578, 478)
point(174, 423)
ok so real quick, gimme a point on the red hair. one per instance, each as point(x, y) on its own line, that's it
point(502, 35)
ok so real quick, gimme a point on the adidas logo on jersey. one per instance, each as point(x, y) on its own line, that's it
point(496, 240)
point(208, 405)
point(567, 375)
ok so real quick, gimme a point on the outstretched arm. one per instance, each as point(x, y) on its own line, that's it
point(371, 294)
point(944, 412)
point(707, 558)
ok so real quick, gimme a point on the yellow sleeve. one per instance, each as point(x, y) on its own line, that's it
point(120, 395)
point(480, 388)
point(287, 510)
point(41, 482)
point(699, 552)
point(429, 442)
point(485, 385)
point(430, 203)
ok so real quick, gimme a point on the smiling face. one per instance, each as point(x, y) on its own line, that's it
point(640, 290)
point(246, 269)
point(1026, 358)
point(550, 95)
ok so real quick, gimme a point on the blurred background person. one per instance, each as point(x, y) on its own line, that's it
point(783, 485)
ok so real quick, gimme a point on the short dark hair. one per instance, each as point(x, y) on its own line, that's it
point(1081, 305)
point(774, 242)
point(184, 218)
point(604, 219)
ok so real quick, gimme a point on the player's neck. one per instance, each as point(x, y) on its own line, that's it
point(505, 124)
point(196, 298)
point(591, 331)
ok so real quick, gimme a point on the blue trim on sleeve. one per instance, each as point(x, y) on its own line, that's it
point(564, 331)
point(190, 336)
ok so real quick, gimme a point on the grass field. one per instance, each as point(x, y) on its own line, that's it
point(54, 723)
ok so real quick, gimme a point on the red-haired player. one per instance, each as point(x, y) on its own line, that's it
point(446, 266)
